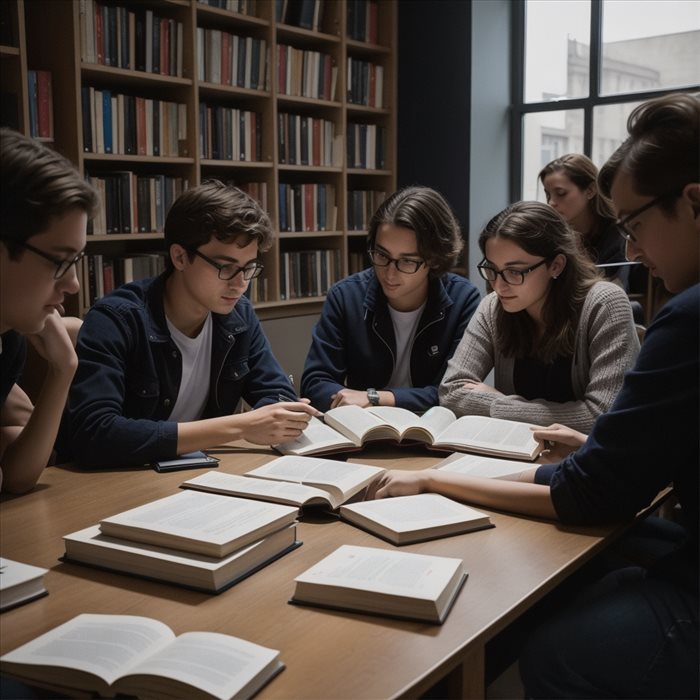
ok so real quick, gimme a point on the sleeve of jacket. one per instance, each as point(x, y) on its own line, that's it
point(611, 344)
point(98, 434)
point(325, 368)
point(466, 302)
point(266, 380)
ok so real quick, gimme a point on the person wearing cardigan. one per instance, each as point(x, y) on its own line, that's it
point(558, 338)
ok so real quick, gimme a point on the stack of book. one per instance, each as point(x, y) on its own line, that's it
point(198, 540)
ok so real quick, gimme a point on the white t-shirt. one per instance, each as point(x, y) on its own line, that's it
point(196, 368)
point(405, 324)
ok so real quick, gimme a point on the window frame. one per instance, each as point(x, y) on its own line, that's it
point(519, 108)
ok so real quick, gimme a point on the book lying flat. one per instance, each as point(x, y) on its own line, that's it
point(209, 574)
point(202, 523)
point(406, 519)
point(437, 428)
point(299, 481)
point(20, 583)
point(383, 582)
point(485, 467)
point(139, 656)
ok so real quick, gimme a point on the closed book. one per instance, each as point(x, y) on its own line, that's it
point(44, 104)
point(20, 583)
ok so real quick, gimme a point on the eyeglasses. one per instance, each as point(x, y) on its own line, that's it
point(405, 265)
point(228, 272)
point(62, 264)
point(623, 224)
point(509, 274)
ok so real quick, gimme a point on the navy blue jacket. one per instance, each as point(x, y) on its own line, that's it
point(648, 439)
point(353, 343)
point(129, 374)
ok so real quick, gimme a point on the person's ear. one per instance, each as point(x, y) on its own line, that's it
point(556, 267)
point(178, 256)
point(691, 193)
point(590, 191)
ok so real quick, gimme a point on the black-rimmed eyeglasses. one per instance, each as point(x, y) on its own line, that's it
point(229, 271)
point(623, 224)
point(62, 264)
point(510, 275)
point(405, 265)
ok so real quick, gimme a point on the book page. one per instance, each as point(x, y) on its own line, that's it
point(343, 477)
point(353, 421)
point(265, 489)
point(317, 437)
point(383, 571)
point(487, 467)
point(424, 510)
point(399, 418)
point(202, 516)
point(217, 663)
point(489, 433)
point(105, 645)
point(435, 420)
point(13, 573)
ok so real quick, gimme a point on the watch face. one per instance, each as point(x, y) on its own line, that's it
point(373, 397)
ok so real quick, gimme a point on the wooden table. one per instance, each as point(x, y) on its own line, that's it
point(327, 654)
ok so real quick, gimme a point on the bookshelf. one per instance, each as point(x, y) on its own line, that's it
point(315, 107)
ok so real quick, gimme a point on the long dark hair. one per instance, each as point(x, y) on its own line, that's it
point(540, 230)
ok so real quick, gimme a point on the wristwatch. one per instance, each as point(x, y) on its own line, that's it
point(373, 397)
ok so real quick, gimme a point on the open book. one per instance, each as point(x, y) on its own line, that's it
point(406, 519)
point(299, 481)
point(202, 523)
point(132, 655)
point(438, 428)
point(485, 467)
point(209, 574)
point(383, 582)
point(19, 583)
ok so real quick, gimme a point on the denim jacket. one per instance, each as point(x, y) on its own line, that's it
point(129, 374)
point(353, 343)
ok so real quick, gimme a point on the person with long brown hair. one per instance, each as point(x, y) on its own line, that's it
point(557, 336)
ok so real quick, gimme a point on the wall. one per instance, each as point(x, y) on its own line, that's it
point(290, 339)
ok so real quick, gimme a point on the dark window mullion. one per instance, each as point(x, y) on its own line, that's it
point(517, 100)
point(594, 74)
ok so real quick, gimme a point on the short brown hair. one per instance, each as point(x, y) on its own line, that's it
point(427, 213)
point(662, 153)
point(219, 210)
point(37, 184)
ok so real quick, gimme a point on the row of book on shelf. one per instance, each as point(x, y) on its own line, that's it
point(228, 133)
point(244, 7)
point(229, 59)
point(307, 207)
point(365, 146)
point(40, 104)
point(304, 73)
point(307, 14)
point(132, 125)
point(365, 83)
point(308, 273)
point(134, 39)
point(361, 205)
point(304, 140)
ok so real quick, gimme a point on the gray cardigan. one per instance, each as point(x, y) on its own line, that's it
point(606, 347)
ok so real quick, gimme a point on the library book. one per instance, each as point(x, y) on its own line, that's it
point(20, 583)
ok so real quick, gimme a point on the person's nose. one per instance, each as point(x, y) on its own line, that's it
point(69, 283)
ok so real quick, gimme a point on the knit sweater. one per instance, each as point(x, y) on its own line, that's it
point(606, 346)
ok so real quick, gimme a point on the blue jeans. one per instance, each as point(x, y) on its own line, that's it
point(630, 635)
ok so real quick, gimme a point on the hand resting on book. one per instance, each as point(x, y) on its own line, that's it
point(559, 441)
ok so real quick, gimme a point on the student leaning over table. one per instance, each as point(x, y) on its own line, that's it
point(558, 338)
point(44, 209)
point(635, 632)
point(163, 362)
point(385, 334)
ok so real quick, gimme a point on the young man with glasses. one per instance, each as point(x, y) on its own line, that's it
point(45, 205)
point(385, 334)
point(165, 361)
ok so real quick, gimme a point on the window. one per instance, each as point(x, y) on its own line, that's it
point(581, 66)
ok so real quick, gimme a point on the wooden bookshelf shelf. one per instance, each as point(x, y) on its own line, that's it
point(83, 53)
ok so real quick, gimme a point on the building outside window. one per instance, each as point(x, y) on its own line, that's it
point(581, 66)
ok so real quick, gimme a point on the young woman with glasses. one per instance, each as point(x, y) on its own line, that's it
point(634, 632)
point(385, 334)
point(163, 362)
point(45, 205)
point(558, 338)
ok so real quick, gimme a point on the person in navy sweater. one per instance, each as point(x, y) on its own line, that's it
point(385, 334)
point(164, 362)
point(634, 633)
